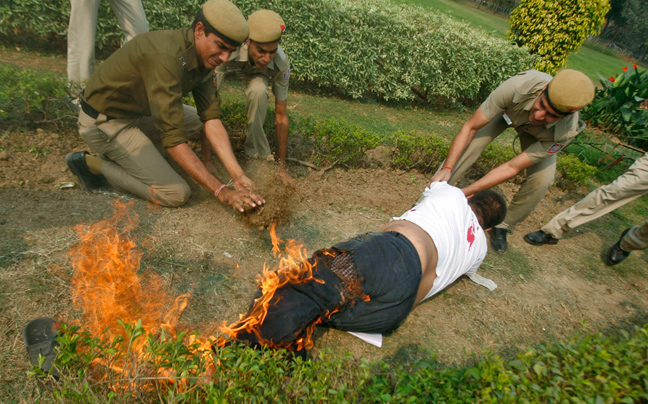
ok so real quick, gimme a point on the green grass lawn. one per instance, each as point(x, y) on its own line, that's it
point(590, 59)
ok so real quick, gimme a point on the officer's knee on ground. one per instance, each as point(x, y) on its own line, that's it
point(171, 195)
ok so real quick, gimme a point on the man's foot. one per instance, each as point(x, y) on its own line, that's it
point(540, 238)
point(77, 164)
point(498, 240)
point(616, 254)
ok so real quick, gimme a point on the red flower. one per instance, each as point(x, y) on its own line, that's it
point(612, 79)
point(634, 66)
point(625, 69)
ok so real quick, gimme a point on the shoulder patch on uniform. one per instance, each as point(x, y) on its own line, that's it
point(215, 79)
point(555, 148)
point(286, 74)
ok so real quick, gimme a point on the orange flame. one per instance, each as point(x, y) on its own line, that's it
point(106, 286)
point(293, 268)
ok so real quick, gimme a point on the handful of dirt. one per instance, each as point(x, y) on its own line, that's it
point(278, 197)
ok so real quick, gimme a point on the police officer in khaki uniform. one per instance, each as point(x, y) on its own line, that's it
point(262, 62)
point(604, 199)
point(135, 97)
point(544, 112)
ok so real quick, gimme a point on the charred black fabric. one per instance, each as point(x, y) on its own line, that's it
point(391, 273)
point(390, 269)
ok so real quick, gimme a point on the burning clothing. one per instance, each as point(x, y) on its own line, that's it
point(370, 283)
point(389, 271)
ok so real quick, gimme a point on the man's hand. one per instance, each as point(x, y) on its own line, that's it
point(443, 174)
point(238, 199)
point(286, 179)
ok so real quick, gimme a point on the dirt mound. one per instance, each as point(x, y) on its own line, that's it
point(279, 197)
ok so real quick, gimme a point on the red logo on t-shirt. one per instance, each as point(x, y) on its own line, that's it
point(471, 235)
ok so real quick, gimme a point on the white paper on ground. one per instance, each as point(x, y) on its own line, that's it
point(373, 339)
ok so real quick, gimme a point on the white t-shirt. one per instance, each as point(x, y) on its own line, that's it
point(443, 213)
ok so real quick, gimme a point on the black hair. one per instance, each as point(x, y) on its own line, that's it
point(209, 29)
point(489, 206)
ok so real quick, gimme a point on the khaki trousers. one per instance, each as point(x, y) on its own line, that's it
point(256, 108)
point(135, 156)
point(628, 187)
point(82, 31)
point(636, 238)
point(539, 177)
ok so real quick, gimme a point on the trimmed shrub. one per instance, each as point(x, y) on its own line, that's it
point(422, 152)
point(593, 368)
point(29, 99)
point(335, 141)
point(554, 29)
point(355, 48)
point(573, 171)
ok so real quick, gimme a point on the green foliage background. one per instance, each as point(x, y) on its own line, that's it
point(616, 106)
point(553, 29)
point(589, 369)
point(370, 48)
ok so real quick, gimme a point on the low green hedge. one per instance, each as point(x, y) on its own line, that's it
point(352, 47)
point(590, 369)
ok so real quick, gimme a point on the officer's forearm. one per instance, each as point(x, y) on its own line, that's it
point(190, 162)
point(217, 137)
point(281, 127)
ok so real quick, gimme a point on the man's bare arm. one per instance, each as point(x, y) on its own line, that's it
point(500, 174)
point(460, 142)
point(281, 127)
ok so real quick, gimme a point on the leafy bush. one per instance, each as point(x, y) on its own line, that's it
point(554, 29)
point(29, 98)
point(616, 106)
point(335, 141)
point(573, 171)
point(594, 368)
point(352, 47)
point(423, 152)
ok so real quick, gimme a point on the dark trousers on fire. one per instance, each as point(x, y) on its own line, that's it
point(389, 269)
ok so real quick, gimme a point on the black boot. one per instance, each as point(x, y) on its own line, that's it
point(498, 240)
point(540, 238)
point(77, 164)
point(616, 254)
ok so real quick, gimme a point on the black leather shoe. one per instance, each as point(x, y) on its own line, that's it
point(540, 238)
point(498, 240)
point(615, 254)
point(77, 164)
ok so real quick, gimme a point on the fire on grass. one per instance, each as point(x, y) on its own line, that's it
point(107, 289)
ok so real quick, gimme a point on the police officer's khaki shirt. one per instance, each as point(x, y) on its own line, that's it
point(148, 76)
point(515, 98)
point(277, 71)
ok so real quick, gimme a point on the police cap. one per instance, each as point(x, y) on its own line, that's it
point(569, 91)
point(266, 26)
point(226, 21)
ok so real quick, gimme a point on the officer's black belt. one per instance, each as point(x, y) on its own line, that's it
point(91, 112)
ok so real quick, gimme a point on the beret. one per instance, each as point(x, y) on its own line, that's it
point(266, 26)
point(226, 19)
point(570, 90)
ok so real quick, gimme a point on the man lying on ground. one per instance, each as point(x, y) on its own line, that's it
point(371, 282)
